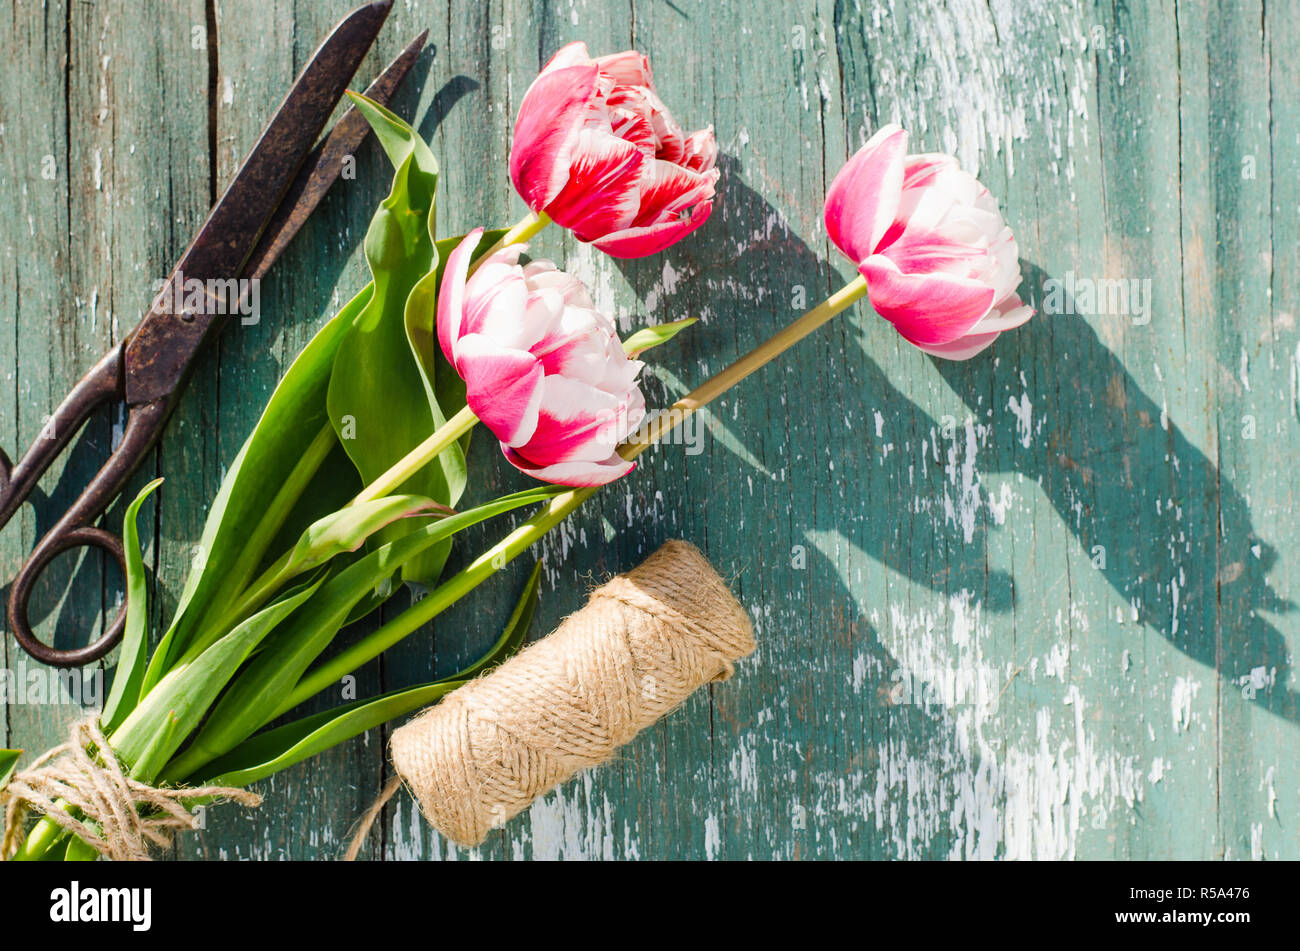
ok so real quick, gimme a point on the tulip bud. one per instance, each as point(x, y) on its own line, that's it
point(940, 263)
point(597, 151)
point(543, 369)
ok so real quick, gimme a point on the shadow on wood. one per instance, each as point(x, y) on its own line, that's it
point(1121, 475)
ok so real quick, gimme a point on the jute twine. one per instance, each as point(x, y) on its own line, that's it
point(123, 817)
point(640, 646)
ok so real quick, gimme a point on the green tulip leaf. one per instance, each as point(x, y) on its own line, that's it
point(348, 528)
point(256, 696)
point(129, 676)
point(263, 487)
point(155, 729)
point(648, 337)
point(516, 629)
point(278, 749)
point(381, 398)
point(8, 764)
point(395, 135)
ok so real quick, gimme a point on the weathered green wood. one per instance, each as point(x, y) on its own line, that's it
point(37, 281)
point(1091, 526)
point(130, 182)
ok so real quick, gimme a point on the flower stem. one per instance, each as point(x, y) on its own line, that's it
point(232, 586)
point(419, 457)
point(461, 423)
point(43, 835)
point(437, 601)
point(525, 228)
point(757, 358)
point(559, 508)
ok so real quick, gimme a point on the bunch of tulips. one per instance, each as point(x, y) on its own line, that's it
point(351, 480)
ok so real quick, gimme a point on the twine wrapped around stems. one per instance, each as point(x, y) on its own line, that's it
point(640, 646)
point(123, 816)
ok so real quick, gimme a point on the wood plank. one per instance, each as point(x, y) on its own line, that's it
point(130, 184)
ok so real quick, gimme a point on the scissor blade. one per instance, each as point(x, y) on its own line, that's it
point(323, 166)
point(163, 346)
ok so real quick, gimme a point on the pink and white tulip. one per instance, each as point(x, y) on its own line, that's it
point(939, 261)
point(543, 369)
point(598, 152)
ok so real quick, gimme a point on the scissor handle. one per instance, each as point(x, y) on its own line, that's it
point(74, 530)
point(50, 547)
point(102, 384)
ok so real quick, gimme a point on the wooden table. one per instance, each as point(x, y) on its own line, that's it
point(1036, 605)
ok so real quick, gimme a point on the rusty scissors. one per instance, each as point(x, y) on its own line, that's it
point(278, 186)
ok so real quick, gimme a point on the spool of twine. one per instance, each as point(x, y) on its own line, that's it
point(640, 646)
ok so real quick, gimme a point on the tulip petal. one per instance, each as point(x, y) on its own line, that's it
point(635, 128)
point(963, 348)
point(628, 68)
point(932, 210)
point(1007, 314)
point(570, 54)
point(920, 169)
point(863, 198)
point(641, 111)
point(927, 309)
point(542, 274)
point(547, 131)
point(668, 189)
point(502, 387)
point(701, 150)
point(451, 294)
point(672, 140)
point(931, 252)
point(601, 194)
point(639, 242)
point(496, 299)
point(575, 422)
point(578, 474)
point(574, 346)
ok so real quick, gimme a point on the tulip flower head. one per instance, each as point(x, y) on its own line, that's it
point(940, 263)
point(543, 369)
point(597, 151)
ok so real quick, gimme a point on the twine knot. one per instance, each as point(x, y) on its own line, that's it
point(82, 787)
